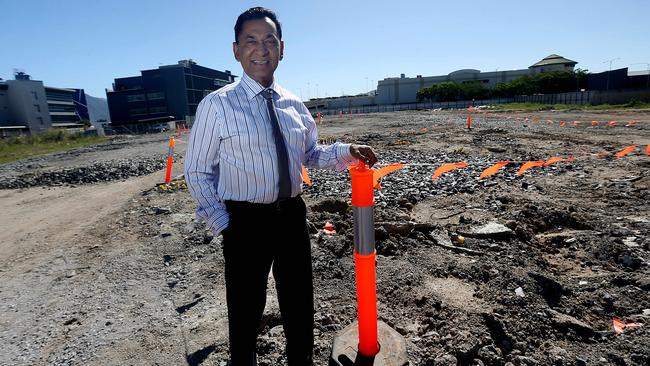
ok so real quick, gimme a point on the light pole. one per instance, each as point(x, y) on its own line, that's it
point(308, 92)
point(610, 69)
point(316, 91)
point(647, 80)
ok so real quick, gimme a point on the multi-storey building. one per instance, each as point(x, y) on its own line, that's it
point(168, 93)
point(28, 106)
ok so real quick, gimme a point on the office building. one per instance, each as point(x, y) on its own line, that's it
point(168, 93)
point(404, 90)
point(29, 107)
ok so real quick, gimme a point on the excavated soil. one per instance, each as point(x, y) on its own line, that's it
point(110, 270)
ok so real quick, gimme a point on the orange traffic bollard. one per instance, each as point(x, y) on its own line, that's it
point(170, 159)
point(363, 202)
point(359, 343)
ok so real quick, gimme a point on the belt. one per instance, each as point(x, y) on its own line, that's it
point(277, 205)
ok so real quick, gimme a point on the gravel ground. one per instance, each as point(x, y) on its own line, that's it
point(143, 284)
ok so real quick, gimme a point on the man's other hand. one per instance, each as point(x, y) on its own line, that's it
point(363, 153)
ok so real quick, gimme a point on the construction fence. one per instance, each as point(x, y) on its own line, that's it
point(579, 98)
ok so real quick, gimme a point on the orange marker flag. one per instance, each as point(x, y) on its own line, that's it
point(625, 151)
point(493, 169)
point(611, 123)
point(620, 325)
point(562, 123)
point(594, 123)
point(557, 159)
point(328, 228)
point(549, 121)
point(377, 174)
point(530, 164)
point(305, 176)
point(447, 167)
point(576, 123)
point(647, 150)
point(630, 123)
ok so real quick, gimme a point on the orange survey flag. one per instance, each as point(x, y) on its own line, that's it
point(647, 150)
point(576, 123)
point(377, 174)
point(625, 151)
point(611, 123)
point(493, 169)
point(620, 325)
point(530, 164)
point(305, 176)
point(556, 159)
point(447, 167)
point(562, 123)
point(594, 123)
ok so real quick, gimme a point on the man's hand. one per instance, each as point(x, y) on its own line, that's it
point(363, 153)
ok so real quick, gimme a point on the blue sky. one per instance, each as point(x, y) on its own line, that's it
point(331, 47)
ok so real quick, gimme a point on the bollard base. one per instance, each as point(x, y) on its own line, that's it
point(392, 348)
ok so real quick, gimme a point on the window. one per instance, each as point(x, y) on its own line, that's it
point(37, 107)
point(35, 95)
point(136, 111)
point(162, 109)
point(135, 98)
point(220, 83)
point(40, 119)
point(155, 95)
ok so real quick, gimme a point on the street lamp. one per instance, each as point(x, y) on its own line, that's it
point(647, 81)
point(610, 69)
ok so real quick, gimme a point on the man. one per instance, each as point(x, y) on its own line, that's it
point(243, 167)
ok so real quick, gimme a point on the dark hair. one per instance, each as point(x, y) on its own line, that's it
point(257, 12)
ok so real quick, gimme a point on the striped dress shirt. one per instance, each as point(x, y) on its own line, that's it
point(231, 152)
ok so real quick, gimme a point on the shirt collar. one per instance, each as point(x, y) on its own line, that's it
point(253, 88)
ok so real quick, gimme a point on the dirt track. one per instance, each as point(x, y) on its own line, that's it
point(117, 273)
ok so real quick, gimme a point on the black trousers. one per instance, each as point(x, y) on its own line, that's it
point(258, 236)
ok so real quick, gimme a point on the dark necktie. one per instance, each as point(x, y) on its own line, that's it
point(280, 147)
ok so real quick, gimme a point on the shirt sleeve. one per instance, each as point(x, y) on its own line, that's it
point(335, 156)
point(202, 167)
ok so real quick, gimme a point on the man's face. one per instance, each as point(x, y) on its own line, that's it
point(259, 49)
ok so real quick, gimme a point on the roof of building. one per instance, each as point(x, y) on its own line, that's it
point(638, 73)
point(553, 60)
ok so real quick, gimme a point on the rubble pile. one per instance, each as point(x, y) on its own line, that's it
point(413, 183)
point(102, 171)
point(531, 284)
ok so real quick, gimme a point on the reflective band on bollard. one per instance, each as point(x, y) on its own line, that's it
point(364, 230)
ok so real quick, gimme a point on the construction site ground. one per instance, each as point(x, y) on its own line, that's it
point(114, 271)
